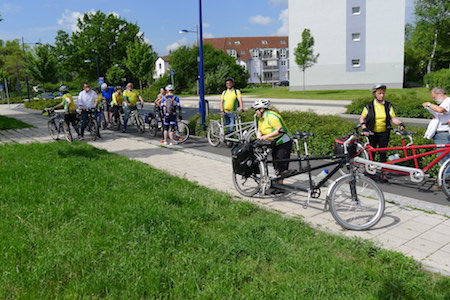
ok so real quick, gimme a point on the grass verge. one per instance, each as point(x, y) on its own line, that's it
point(78, 222)
point(11, 123)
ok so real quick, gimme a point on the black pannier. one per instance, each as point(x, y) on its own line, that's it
point(244, 160)
point(339, 146)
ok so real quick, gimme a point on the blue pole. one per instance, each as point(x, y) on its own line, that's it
point(200, 68)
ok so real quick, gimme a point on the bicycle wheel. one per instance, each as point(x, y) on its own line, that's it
point(115, 123)
point(93, 129)
point(249, 186)
point(181, 133)
point(153, 127)
point(357, 167)
point(445, 178)
point(140, 124)
point(66, 130)
point(356, 202)
point(214, 133)
point(53, 129)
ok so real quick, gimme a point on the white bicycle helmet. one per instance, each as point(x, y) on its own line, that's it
point(169, 87)
point(261, 103)
point(104, 86)
point(378, 86)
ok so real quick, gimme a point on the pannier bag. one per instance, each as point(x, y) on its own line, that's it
point(244, 160)
point(339, 146)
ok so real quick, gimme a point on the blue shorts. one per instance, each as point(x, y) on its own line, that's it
point(170, 120)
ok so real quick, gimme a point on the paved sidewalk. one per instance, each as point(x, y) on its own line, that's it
point(416, 233)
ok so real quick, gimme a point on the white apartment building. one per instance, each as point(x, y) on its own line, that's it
point(360, 42)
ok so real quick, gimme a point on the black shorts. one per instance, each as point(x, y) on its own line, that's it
point(108, 106)
point(282, 151)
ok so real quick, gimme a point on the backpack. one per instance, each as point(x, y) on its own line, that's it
point(244, 160)
point(170, 104)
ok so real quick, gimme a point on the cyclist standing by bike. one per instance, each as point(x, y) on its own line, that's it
point(170, 104)
point(70, 110)
point(229, 102)
point(116, 103)
point(107, 92)
point(271, 126)
point(157, 110)
point(87, 99)
point(130, 97)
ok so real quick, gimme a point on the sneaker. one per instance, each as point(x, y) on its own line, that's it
point(165, 143)
point(80, 138)
point(171, 143)
point(435, 188)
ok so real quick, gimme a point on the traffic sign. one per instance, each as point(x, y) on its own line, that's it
point(172, 72)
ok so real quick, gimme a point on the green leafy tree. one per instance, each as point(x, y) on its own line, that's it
point(304, 53)
point(42, 64)
point(140, 61)
point(3, 75)
point(215, 78)
point(11, 61)
point(434, 15)
point(115, 75)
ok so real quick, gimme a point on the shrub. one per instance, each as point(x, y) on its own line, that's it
point(408, 105)
point(439, 78)
point(41, 103)
point(12, 100)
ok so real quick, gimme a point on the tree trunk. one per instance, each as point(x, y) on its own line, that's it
point(303, 79)
point(433, 52)
point(140, 85)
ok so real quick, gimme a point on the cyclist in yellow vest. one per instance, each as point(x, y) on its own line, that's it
point(116, 103)
point(130, 98)
point(271, 126)
point(70, 110)
point(229, 102)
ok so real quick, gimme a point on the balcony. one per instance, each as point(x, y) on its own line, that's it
point(270, 68)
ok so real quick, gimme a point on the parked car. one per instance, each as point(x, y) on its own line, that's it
point(47, 95)
point(284, 83)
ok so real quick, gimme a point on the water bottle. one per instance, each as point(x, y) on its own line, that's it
point(393, 156)
point(321, 176)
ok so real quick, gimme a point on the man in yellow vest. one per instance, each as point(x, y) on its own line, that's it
point(229, 102)
point(130, 98)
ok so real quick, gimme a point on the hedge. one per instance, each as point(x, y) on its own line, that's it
point(439, 78)
point(41, 103)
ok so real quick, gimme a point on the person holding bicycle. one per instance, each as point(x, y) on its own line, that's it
point(87, 99)
point(70, 110)
point(271, 127)
point(157, 110)
point(116, 103)
point(107, 92)
point(130, 97)
point(169, 105)
point(229, 102)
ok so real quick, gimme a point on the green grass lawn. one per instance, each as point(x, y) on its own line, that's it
point(78, 222)
point(283, 92)
point(11, 123)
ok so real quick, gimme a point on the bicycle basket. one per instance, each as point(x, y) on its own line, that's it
point(244, 160)
point(339, 146)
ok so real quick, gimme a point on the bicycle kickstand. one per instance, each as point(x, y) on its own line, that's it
point(306, 205)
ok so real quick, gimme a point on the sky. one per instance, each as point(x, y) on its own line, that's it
point(160, 21)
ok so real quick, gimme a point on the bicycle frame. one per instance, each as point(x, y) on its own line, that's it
point(240, 127)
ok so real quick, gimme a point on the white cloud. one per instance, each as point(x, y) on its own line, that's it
point(206, 25)
point(284, 18)
point(207, 35)
point(260, 20)
point(10, 8)
point(69, 19)
point(177, 44)
point(126, 10)
point(279, 2)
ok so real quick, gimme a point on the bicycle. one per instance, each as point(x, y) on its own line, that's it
point(117, 121)
point(57, 125)
point(101, 118)
point(181, 131)
point(92, 124)
point(355, 201)
point(364, 158)
point(135, 119)
point(240, 131)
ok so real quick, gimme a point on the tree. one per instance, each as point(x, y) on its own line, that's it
point(304, 53)
point(436, 14)
point(140, 61)
point(11, 61)
point(41, 64)
point(115, 75)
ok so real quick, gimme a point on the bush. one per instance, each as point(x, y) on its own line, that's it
point(439, 78)
point(12, 100)
point(152, 92)
point(41, 103)
point(408, 105)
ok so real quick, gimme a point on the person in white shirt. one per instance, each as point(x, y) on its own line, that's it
point(87, 99)
point(441, 111)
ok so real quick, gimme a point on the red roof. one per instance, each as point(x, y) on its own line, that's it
point(242, 45)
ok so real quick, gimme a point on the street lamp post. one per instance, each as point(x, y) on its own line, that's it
point(198, 59)
point(200, 68)
point(26, 73)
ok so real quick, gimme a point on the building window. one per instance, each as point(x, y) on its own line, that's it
point(356, 10)
point(237, 42)
point(267, 53)
point(283, 42)
point(255, 75)
point(356, 37)
point(229, 42)
point(283, 53)
point(232, 52)
point(255, 53)
point(356, 63)
point(283, 62)
point(242, 51)
point(160, 66)
point(264, 42)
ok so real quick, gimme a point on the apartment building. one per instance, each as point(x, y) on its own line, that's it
point(266, 59)
point(360, 42)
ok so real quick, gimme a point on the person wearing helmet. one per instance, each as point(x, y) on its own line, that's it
point(116, 103)
point(107, 92)
point(271, 126)
point(169, 106)
point(230, 100)
point(377, 117)
point(70, 110)
point(130, 97)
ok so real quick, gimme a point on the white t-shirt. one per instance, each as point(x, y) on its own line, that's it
point(86, 100)
point(444, 118)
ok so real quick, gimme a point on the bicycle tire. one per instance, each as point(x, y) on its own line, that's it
point(214, 133)
point(249, 186)
point(103, 122)
point(356, 214)
point(53, 129)
point(181, 133)
point(66, 130)
point(250, 136)
point(153, 127)
point(445, 179)
point(115, 123)
point(93, 129)
point(356, 166)
point(140, 124)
